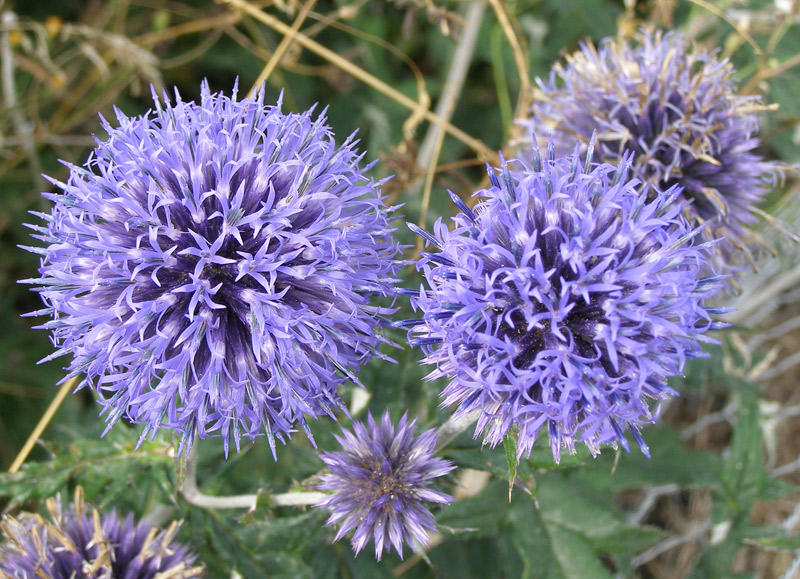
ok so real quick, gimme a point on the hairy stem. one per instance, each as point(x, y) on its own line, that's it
point(194, 496)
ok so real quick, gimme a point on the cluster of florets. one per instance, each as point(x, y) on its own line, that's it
point(678, 111)
point(79, 543)
point(563, 302)
point(380, 480)
point(210, 270)
point(211, 267)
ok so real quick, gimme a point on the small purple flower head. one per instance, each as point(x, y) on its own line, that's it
point(562, 302)
point(81, 543)
point(211, 266)
point(677, 109)
point(380, 480)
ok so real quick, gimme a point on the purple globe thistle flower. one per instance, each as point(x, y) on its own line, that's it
point(211, 266)
point(80, 543)
point(381, 479)
point(677, 109)
point(562, 302)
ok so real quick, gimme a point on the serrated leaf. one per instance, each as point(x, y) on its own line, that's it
point(289, 534)
point(478, 516)
point(743, 476)
point(563, 538)
point(570, 504)
point(101, 466)
point(549, 550)
point(671, 462)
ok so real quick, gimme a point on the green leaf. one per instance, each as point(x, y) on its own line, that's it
point(548, 549)
point(289, 534)
point(106, 468)
point(570, 504)
point(743, 475)
point(670, 463)
point(496, 461)
point(479, 516)
point(510, 446)
point(773, 539)
point(563, 537)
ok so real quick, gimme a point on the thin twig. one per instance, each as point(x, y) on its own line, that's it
point(218, 21)
point(520, 57)
point(794, 569)
point(775, 332)
point(751, 303)
point(431, 148)
point(652, 494)
point(411, 124)
point(695, 533)
point(363, 76)
point(786, 469)
point(426, 190)
point(727, 414)
point(741, 31)
point(454, 82)
point(284, 45)
point(21, 125)
point(66, 388)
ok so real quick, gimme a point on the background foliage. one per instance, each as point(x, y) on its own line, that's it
point(718, 498)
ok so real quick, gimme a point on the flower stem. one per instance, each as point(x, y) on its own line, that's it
point(192, 494)
point(454, 426)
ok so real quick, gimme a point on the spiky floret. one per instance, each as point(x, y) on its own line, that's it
point(562, 302)
point(678, 110)
point(380, 481)
point(210, 268)
point(79, 543)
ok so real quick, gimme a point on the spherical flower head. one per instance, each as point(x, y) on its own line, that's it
point(677, 109)
point(562, 302)
point(210, 268)
point(380, 481)
point(78, 543)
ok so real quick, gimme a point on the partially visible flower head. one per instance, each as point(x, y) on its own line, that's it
point(562, 302)
point(211, 267)
point(380, 479)
point(78, 543)
point(677, 109)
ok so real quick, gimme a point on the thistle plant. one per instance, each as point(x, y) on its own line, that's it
point(562, 303)
point(223, 266)
point(678, 110)
point(380, 480)
point(211, 268)
point(80, 543)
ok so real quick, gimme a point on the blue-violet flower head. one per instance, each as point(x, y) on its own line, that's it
point(380, 481)
point(211, 267)
point(82, 543)
point(678, 110)
point(562, 302)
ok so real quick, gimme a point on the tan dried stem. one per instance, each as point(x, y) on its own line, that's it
point(720, 14)
point(431, 148)
point(66, 388)
point(410, 126)
point(426, 191)
point(362, 75)
point(520, 56)
point(283, 46)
